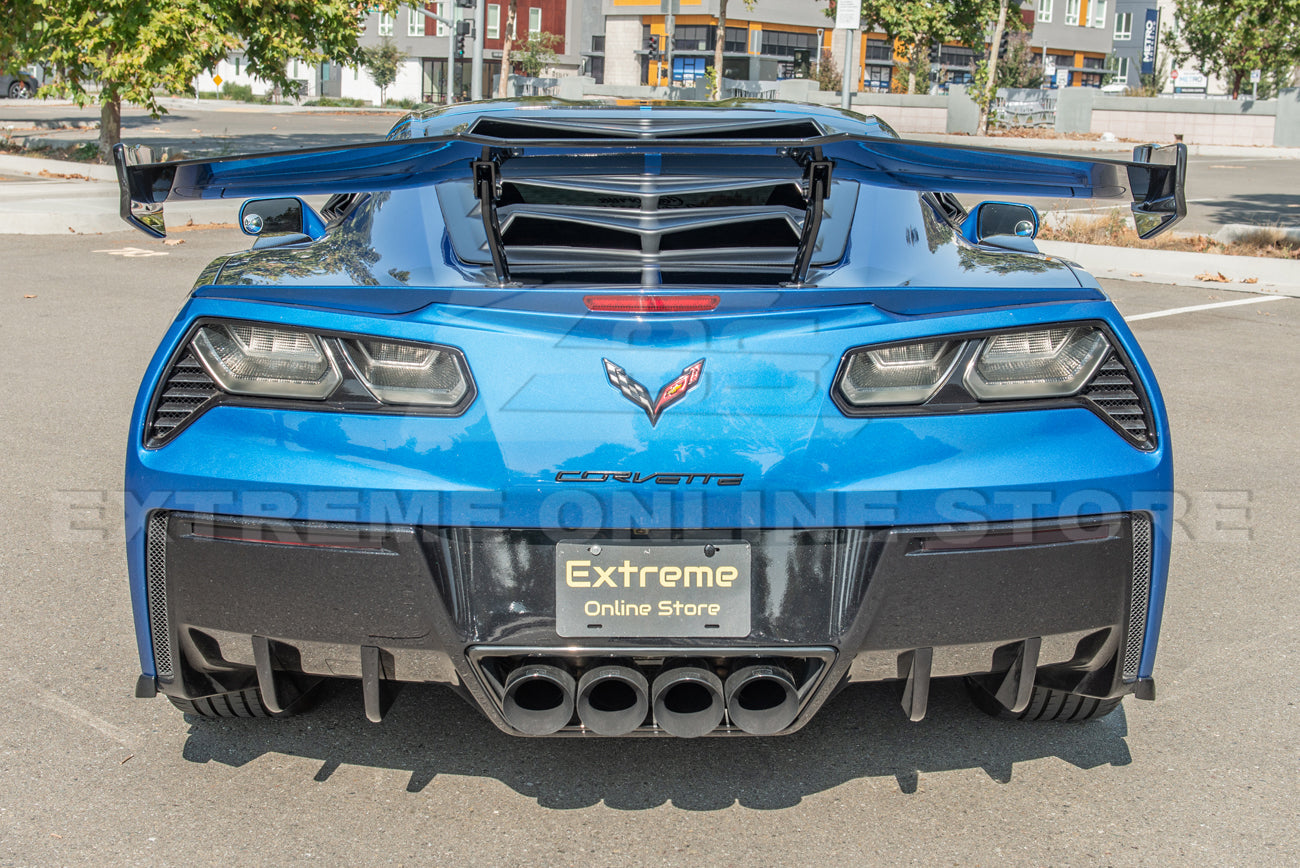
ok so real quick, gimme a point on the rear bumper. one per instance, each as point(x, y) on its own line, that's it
point(1064, 601)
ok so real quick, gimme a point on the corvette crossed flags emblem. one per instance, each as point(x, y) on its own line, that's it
point(640, 395)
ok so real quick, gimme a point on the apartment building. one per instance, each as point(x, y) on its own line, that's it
point(774, 39)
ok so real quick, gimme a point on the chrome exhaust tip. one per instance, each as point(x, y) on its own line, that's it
point(613, 699)
point(538, 699)
point(762, 699)
point(687, 700)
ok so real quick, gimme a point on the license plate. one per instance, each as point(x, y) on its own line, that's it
point(661, 589)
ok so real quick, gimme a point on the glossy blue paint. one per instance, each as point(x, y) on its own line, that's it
point(544, 405)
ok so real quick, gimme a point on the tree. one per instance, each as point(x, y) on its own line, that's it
point(512, 16)
point(719, 40)
point(917, 24)
point(537, 51)
point(991, 87)
point(135, 50)
point(382, 62)
point(1229, 38)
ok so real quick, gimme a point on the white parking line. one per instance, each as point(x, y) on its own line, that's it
point(1196, 307)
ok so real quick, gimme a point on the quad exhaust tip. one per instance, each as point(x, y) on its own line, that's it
point(687, 699)
point(538, 698)
point(762, 699)
point(613, 699)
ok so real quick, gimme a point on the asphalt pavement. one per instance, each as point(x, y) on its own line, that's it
point(1206, 775)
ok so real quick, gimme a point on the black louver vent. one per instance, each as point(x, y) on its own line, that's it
point(653, 228)
point(1114, 391)
point(187, 390)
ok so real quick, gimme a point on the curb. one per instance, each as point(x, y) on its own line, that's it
point(1271, 276)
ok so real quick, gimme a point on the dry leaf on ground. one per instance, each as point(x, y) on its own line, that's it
point(172, 242)
point(1250, 280)
point(1213, 277)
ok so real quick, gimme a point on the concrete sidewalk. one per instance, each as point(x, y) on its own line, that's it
point(1270, 276)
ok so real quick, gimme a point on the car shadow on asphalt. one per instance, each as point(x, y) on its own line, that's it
point(1261, 209)
point(861, 733)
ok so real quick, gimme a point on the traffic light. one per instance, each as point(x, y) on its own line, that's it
point(463, 29)
point(934, 53)
point(1004, 44)
point(652, 46)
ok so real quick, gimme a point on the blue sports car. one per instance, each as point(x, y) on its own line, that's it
point(648, 420)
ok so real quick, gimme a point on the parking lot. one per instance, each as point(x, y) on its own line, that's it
point(1207, 775)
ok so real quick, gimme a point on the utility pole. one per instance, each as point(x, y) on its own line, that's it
point(451, 56)
point(451, 45)
point(476, 59)
point(848, 17)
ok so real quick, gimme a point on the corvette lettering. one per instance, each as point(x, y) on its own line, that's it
point(630, 478)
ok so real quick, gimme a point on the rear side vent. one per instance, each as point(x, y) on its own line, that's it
point(186, 391)
point(155, 576)
point(1139, 598)
point(1115, 393)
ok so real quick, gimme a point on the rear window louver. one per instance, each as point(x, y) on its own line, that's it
point(647, 224)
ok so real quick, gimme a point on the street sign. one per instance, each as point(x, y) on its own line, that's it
point(216, 79)
point(1254, 76)
point(1173, 73)
point(848, 14)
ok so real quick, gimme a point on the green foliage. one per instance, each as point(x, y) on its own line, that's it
point(382, 62)
point(113, 51)
point(408, 104)
point(242, 92)
point(1021, 66)
point(337, 102)
point(827, 74)
point(1229, 38)
point(536, 51)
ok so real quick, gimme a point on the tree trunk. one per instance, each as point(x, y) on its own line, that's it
point(717, 49)
point(992, 87)
point(110, 126)
point(512, 15)
point(911, 63)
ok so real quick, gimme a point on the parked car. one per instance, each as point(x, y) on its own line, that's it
point(656, 419)
point(1115, 87)
point(18, 85)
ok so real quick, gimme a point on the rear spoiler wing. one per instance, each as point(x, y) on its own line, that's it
point(1153, 180)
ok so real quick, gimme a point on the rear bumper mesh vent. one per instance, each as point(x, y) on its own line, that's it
point(155, 573)
point(1140, 596)
point(186, 391)
point(1115, 392)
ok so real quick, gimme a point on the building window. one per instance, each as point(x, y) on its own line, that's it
point(693, 37)
point(1122, 73)
point(441, 10)
point(1045, 11)
point(1071, 12)
point(1123, 26)
point(880, 49)
point(598, 43)
point(414, 24)
point(1098, 9)
point(534, 21)
point(735, 40)
point(385, 24)
point(494, 21)
point(783, 44)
